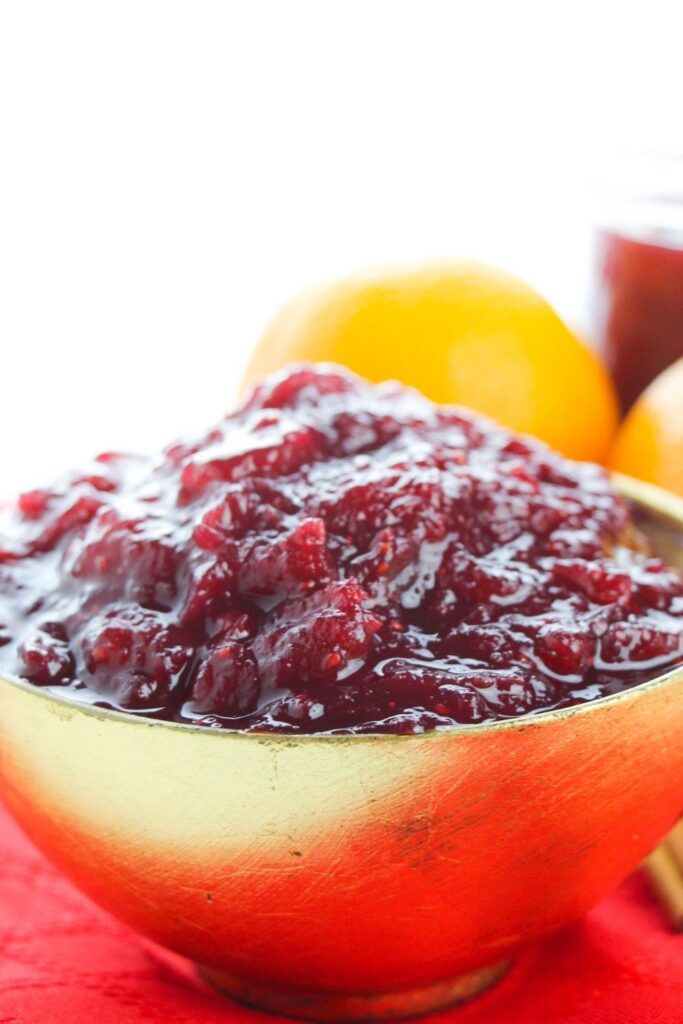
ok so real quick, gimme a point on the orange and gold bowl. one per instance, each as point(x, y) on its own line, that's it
point(351, 877)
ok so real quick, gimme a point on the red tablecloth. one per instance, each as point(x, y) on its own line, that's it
point(62, 960)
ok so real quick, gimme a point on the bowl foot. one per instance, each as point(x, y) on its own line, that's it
point(310, 1004)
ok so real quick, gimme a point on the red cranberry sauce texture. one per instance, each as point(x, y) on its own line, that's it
point(335, 556)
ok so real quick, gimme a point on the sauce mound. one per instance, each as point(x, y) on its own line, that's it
point(335, 556)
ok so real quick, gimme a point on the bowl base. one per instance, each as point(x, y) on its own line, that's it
point(312, 1004)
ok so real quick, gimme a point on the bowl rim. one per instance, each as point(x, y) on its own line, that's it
point(665, 504)
point(530, 720)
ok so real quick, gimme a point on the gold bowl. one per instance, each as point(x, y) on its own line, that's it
point(352, 877)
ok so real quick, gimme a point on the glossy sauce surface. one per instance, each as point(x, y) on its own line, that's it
point(335, 556)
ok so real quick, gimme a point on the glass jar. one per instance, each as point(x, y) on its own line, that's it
point(638, 294)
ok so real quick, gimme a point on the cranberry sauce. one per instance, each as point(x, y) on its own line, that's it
point(335, 556)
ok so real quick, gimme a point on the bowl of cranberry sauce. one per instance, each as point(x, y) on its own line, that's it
point(335, 557)
point(347, 700)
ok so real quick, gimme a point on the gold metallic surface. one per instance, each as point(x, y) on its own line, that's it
point(337, 866)
point(309, 1004)
point(649, 496)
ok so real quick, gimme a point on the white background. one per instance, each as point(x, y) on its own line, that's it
point(169, 172)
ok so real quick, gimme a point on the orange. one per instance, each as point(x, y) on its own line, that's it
point(462, 333)
point(649, 444)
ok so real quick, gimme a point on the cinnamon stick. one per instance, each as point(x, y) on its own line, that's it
point(674, 841)
point(665, 872)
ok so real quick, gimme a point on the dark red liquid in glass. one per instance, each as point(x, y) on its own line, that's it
point(640, 309)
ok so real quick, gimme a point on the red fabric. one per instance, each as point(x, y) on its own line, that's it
point(61, 959)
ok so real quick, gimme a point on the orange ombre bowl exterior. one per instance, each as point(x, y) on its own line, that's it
point(338, 876)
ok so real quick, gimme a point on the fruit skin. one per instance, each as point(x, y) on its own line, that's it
point(649, 444)
point(462, 333)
